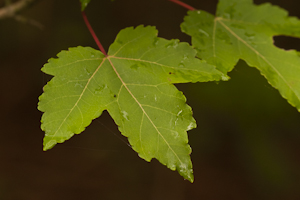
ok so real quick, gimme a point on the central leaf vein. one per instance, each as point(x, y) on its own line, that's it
point(256, 52)
point(143, 110)
point(80, 96)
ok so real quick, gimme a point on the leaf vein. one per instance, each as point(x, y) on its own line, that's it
point(144, 112)
point(80, 96)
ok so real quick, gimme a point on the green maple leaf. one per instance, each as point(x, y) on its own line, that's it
point(242, 30)
point(134, 84)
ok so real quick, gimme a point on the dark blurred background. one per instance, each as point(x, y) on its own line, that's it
point(246, 145)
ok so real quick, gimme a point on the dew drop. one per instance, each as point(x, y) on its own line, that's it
point(100, 89)
point(227, 16)
point(183, 168)
point(119, 41)
point(97, 91)
point(135, 66)
point(179, 112)
point(176, 121)
point(155, 42)
point(175, 134)
point(175, 44)
point(87, 71)
point(78, 85)
point(204, 32)
point(125, 115)
point(190, 126)
point(181, 65)
point(225, 78)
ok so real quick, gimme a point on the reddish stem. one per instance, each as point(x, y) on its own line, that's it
point(183, 4)
point(93, 33)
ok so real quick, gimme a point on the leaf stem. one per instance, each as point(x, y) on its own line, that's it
point(10, 9)
point(183, 4)
point(93, 33)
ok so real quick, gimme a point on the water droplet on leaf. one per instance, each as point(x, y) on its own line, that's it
point(225, 78)
point(179, 112)
point(100, 89)
point(125, 115)
point(190, 126)
point(181, 65)
point(175, 134)
point(227, 15)
point(155, 42)
point(87, 71)
point(203, 32)
point(78, 85)
point(119, 41)
point(173, 44)
point(135, 66)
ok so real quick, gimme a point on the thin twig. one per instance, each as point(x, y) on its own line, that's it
point(29, 21)
point(183, 4)
point(93, 33)
point(12, 9)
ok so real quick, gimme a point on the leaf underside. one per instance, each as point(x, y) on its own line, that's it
point(134, 83)
point(242, 30)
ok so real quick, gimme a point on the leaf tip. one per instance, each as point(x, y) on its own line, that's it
point(224, 77)
point(187, 173)
point(49, 144)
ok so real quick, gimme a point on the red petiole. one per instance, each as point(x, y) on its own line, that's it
point(183, 4)
point(95, 36)
point(93, 33)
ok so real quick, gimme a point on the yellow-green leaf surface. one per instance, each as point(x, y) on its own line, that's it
point(134, 84)
point(242, 30)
